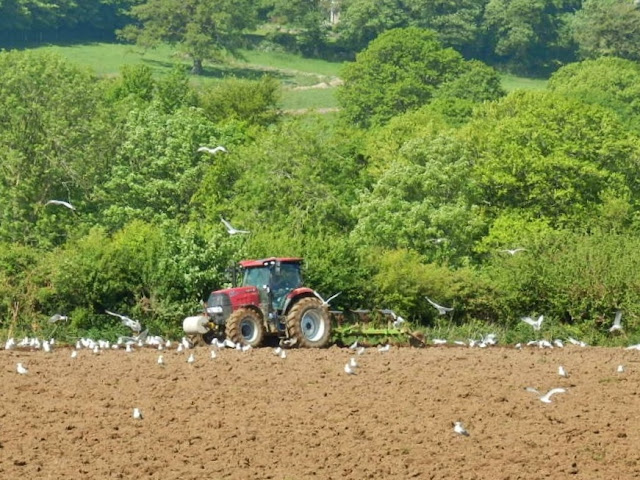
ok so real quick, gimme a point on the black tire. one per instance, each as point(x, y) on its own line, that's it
point(308, 322)
point(245, 327)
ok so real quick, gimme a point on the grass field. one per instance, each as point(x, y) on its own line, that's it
point(292, 70)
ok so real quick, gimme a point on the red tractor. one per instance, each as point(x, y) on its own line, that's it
point(270, 301)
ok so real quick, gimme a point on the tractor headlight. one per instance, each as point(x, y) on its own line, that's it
point(214, 310)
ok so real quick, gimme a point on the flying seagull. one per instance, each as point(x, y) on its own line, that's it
point(127, 322)
point(61, 202)
point(213, 151)
point(513, 251)
point(325, 303)
point(57, 317)
point(397, 319)
point(546, 398)
point(617, 322)
point(442, 310)
point(536, 324)
point(231, 229)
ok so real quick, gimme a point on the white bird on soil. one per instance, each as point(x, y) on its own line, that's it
point(562, 372)
point(191, 358)
point(442, 310)
point(74, 353)
point(620, 369)
point(353, 363)
point(137, 414)
point(283, 354)
point(21, 369)
point(126, 321)
point(617, 322)
point(546, 398)
point(349, 370)
point(61, 202)
point(536, 324)
point(160, 360)
point(384, 348)
point(354, 345)
point(213, 151)
point(213, 354)
point(231, 229)
point(459, 429)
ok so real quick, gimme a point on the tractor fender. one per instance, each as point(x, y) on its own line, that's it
point(294, 296)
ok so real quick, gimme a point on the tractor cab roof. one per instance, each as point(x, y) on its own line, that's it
point(268, 261)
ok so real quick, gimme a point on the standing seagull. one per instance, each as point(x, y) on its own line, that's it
point(231, 229)
point(61, 202)
point(536, 324)
point(442, 310)
point(459, 429)
point(127, 322)
point(617, 322)
point(213, 151)
point(21, 370)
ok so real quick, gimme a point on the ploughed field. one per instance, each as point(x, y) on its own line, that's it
point(254, 415)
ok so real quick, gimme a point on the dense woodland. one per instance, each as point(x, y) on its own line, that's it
point(418, 186)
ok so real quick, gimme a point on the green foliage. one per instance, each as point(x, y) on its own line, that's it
point(553, 156)
point(252, 101)
point(606, 81)
point(530, 36)
point(398, 72)
point(48, 131)
point(607, 28)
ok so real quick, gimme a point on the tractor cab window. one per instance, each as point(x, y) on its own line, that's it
point(256, 277)
point(288, 278)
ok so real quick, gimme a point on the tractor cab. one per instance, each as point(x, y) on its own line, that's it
point(274, 278)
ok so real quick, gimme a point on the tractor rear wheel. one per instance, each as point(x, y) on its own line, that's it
point(309, 324)
point(245, 327)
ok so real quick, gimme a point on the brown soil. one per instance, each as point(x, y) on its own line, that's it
point(256, 416)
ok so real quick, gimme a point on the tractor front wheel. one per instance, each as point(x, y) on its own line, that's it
point(245, 327)
point(309, 324)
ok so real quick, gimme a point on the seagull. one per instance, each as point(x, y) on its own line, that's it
point(562, 372)
point(137, 414)
point(161, 360)
point(397, 319)
point(617, 322)
point(536, 324)
point(277, 350)
point(213, 354)
point(61, 202)
point(513, 251)
point(20, 369)
point(57, 317)
point(74, 353)
point(213, 151)
point(325, 303)
point(620, 369)
point(354, 345)
point(283, 354)
point(442, 310)
point(386, 348)
point(232, 230)
point(353, 363)
point(360, 351)
point(459, 429)
point(246, 348)
point(349, 370)
point(546, 398)
point(439, 341)
point(126, 321)
point(191, 359)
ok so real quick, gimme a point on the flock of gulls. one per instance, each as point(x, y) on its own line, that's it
point(143, 339)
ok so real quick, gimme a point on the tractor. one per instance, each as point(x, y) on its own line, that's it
point(271, 300)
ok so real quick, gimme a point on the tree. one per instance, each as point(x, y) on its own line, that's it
point(202, 29)
point(609, 28)
point(397, 72)
point(530, 35)
point(606, 81)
